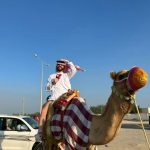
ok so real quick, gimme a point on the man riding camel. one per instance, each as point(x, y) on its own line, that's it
point(58, 84)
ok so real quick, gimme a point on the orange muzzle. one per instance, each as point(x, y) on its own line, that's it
point(137, 78)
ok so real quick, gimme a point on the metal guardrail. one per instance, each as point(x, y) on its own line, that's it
point(144, 116)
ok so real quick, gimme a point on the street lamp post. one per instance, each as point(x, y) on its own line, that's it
point(41, 86)
point(41, 91)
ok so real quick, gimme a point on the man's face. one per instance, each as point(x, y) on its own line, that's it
point(60, 67)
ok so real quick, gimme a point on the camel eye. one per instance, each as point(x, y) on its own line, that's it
point(122, 76)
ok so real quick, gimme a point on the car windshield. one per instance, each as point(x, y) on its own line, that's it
point(32, 122)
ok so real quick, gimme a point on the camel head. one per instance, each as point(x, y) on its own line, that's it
point(127, 82)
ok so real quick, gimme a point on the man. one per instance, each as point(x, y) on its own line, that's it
point(58, 84)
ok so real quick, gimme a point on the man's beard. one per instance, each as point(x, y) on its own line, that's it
point(59, 69)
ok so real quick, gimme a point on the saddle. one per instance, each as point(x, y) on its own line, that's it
point(63, 101)
point(60, 104)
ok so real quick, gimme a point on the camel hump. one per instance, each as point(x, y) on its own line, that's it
point(63, 101)
point(60, 104)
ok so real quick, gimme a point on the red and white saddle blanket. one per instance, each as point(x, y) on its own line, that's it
point(73, 126)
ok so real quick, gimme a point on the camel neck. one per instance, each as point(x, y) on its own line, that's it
point(104, 127)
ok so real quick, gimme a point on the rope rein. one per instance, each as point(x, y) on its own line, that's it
point(142, 124)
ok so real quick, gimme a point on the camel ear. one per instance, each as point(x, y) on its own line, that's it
point(113, 75)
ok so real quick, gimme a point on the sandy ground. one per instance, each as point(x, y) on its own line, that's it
point(130, 137)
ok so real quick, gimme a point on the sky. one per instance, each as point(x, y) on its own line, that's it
point(100, 36)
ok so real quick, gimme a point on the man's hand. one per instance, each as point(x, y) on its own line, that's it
point(79, 68)
point(54, 81)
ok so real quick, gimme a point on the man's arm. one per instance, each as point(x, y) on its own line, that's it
point(71, 69)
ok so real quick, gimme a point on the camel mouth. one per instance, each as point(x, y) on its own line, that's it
point(137, 78)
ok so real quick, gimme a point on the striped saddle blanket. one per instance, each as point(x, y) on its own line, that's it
point(72, 125)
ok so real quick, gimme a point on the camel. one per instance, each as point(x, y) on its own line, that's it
point(103, 128)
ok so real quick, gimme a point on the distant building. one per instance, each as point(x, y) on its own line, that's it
point(149, 110)
point(145, 110)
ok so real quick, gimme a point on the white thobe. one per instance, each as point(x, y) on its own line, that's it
point(63, 84)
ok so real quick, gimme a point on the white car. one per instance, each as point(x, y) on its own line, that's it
point(18, 133)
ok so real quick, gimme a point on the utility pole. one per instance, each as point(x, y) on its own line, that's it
point(41, 83)
point(22, 105)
